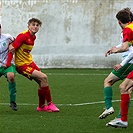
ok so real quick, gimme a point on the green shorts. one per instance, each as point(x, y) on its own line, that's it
point(124, 71)
point(4, 71)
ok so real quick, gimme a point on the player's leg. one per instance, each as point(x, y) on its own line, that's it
point(33, 72)
point(44, 89)
point(113, 77)
point(124, 72)
point(125, 98)
point(130, 92)
point(27, 71)
point(44, 93)
point(42, 81)
point(125, 95)
point(10, 74)
point(108, 82)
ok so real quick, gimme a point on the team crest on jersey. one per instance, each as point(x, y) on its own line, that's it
point(4, 44)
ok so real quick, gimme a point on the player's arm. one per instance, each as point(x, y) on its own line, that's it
point(9, 59)
point(123, 48)
point(126, 60)
point(108, 52)
point(127, 38)
point(118, 46)
point(11, 49)
point(17, 43)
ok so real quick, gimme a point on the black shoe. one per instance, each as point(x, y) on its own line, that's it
point(13, 105)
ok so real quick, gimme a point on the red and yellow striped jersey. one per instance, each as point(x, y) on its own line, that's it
point(128, 33)
point(23, 45)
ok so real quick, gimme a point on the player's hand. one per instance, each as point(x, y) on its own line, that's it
point(113, 50)
point(117, 67)
point(3, 65)
point(108, 53)
point(11, 49)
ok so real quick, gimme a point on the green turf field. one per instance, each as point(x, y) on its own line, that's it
point(77, 92)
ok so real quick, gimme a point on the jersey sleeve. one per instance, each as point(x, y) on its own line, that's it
point(127, 35)
point(20, 39)
point(9, 59)
point(10, 38)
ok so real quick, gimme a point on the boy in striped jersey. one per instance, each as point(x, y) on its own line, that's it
point(22, 47)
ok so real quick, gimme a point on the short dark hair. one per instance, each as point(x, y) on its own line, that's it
point(35, 20)
point(123, 16)
point(129, 10)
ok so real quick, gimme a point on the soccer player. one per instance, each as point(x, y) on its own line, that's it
point(7, 67)
point(22, 47)
point(115, 76)
point(124, 21)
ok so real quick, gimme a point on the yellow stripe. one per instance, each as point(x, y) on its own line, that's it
point(130, 26)
point(28, 47)
point(23, 32)
point(127, 69)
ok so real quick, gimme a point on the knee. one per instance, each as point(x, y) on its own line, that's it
point(10, 77)
point(107, 82)
point(44, 78)
point(122, 88)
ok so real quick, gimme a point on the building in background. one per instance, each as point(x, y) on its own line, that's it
point(0, 11)
point(74, 33)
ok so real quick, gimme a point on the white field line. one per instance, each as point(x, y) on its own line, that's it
point(80, 74)
point(78, 104)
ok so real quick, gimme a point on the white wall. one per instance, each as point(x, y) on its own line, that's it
point(74, 34)
point(0, 11)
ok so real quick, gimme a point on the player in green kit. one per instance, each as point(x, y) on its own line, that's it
point(7, 67)
point(115, 76)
